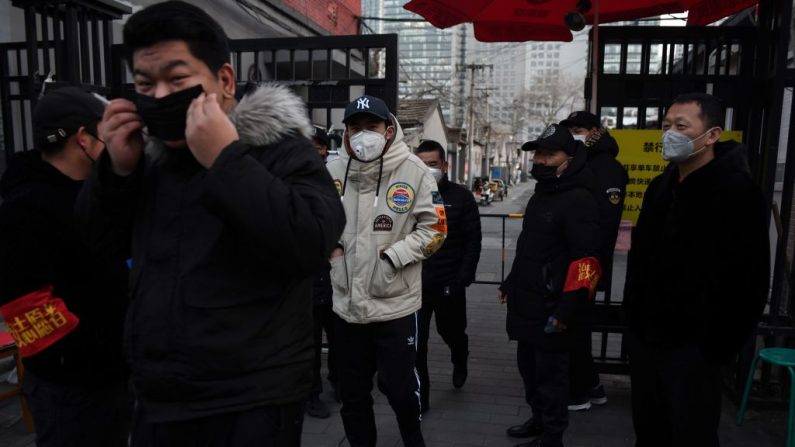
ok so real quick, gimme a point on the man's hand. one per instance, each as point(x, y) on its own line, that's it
point(501, 296)
point(120, 128)
point(336, 252)
point(208, 129)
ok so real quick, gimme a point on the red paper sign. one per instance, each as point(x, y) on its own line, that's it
point(37, 320)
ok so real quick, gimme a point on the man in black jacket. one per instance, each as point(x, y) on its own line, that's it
point(554, 274)
point(76, 384)
point(697, 277)
point(610, 185)
point(323, 316)
point(447, 274)
point(229, 214)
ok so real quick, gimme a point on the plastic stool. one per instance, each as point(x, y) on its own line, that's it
point(777, 356)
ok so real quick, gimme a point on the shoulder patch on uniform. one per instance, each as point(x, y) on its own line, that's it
point(338, 184)
point(436, 197)
point(382, 222)
point(400, 197)
point(614, 195)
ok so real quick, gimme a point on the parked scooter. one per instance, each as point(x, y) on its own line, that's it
point(486, 194)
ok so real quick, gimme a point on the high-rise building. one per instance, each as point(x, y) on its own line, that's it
point(428, 56)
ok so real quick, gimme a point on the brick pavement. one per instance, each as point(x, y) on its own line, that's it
point(492, 398)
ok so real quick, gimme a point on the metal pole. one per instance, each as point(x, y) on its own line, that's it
point(595, 58)
point(471, 129)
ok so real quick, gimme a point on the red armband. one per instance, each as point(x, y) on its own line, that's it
point(37, 320)
point(583, 273)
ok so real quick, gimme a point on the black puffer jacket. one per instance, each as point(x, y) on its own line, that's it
point(561, 225)
point(456, 262)
point(610, 188)
point(39, 245)
point(698, 270)
point(223, 262)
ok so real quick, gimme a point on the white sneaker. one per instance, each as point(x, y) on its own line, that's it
point(580, 406)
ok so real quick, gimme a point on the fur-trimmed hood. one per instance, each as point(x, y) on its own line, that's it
point(268, 114)
point(265, 116)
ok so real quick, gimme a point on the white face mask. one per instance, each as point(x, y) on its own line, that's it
point(678, 147)
point(580, 138)
point(367, 145)
point(437, 174)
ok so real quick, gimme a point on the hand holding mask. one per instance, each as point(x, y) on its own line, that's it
point(120, 129)
point(208, 129)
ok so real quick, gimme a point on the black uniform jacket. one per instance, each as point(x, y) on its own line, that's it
point(698, 270)
point(455, 263)
point(561, 225)
point(610, 188)
point(40, 245)
point(222, 262)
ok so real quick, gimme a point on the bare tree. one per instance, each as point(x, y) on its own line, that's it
point(551, 96)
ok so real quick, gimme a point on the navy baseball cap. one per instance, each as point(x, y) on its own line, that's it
point(586, 120)
point(555, 137)
point(367, 104)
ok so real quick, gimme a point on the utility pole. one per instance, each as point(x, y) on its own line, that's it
point(487, 148)
point(471, 126)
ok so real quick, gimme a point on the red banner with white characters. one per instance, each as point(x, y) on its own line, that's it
point(583, 273)
point(37, 320)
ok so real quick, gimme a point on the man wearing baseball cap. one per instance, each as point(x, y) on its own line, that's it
point(63, 304)
point(395, 219)
point(610, 185)
point(554, 275)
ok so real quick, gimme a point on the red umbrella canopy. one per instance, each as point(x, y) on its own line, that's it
point(523, 20)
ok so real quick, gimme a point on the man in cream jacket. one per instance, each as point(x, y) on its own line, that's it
point(395, 219)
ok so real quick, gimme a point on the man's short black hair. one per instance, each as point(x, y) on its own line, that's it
point(431, 145)
point(711, 108)
point(177, 20)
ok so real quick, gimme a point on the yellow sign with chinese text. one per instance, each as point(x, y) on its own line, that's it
point(640, 151)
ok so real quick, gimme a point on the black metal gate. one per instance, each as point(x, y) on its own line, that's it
point(641, 70)
point(67, 42)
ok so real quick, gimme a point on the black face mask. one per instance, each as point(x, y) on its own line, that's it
point(544, 173)
point(165, 117)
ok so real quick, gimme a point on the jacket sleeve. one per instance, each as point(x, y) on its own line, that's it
point(471, 228)
point(288, 213)
point(739, 275)
point(581, 232)
point(430, 229)
point(105, 209)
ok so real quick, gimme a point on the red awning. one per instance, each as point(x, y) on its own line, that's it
point(523, 20)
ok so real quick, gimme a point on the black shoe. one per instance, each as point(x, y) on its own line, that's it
point(316, 408)
point(526, 430)
point(598, 396)
point(459, 376)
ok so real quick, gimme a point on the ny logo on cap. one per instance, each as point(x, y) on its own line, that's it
point(363, 103)
point(547, 132)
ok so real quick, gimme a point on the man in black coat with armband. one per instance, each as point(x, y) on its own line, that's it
point(554, 275)
point(610, 187)
point(447, 274)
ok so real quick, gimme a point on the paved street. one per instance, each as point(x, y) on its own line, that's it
point(492, 398)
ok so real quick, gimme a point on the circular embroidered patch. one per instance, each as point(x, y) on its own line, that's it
point(400, 197)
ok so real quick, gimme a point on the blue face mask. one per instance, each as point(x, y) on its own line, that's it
point(678, 147)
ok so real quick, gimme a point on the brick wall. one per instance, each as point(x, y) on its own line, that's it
point(338, 17)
